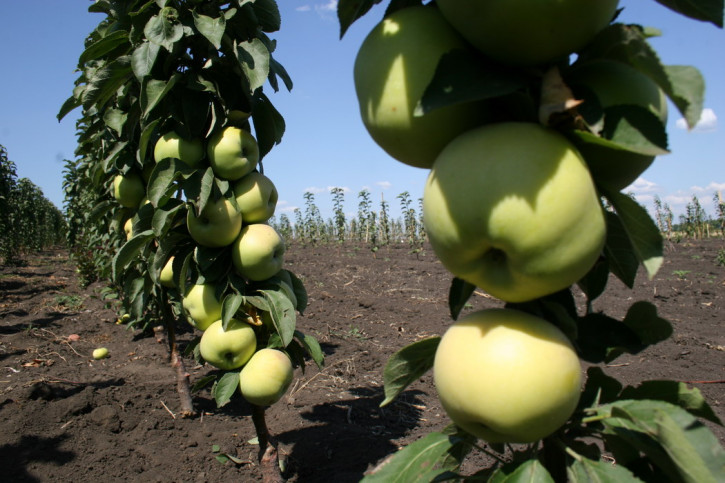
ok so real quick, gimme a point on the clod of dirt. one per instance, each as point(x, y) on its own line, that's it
point(106, 417)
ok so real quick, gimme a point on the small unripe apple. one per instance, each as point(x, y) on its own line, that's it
point(129, 189)
point(166, 277)
point(217, 225)
point(266, 377)
point(171, 145)
point(228, 349)
point(256, 197)
point(201, 305)
point(100, 353)
point(128, 228)
point(233, 152)
point(258, 252)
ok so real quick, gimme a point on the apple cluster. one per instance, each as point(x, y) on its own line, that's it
point(237, 223)
point(511, 204)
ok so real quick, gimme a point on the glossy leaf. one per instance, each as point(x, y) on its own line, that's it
point(407, 365)
point(225, 387)
point(704, 10)
point(312, 347)
point(458, 296)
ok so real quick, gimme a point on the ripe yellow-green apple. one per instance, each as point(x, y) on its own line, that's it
point(617, 84)
point(228, 349)
point(528, 32)
point(129, 189)
point(258, 252)
point(511, 207)
point(100, 353)
point(201, 305)
point(217, 225)
point(256, 197)
point(233, 152)
point(128, 228)
point(266, 377)
point(393, 67)
point(506, 376)
point(166, 277)
point(171, 145)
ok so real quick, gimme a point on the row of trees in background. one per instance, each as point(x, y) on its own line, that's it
point(370, 227)
point(378, 228)
point(28, 220)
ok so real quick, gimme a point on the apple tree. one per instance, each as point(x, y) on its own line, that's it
point(175, 126)
point(531, 117)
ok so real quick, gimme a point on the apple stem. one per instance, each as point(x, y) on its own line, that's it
point(268, 456)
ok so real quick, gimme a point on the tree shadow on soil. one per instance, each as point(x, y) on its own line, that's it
point(16, 458)
point(352, 435)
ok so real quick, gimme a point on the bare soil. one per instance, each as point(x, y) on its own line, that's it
point(67, 417)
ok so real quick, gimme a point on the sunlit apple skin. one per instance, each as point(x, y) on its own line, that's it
point(166, 277)
point(233, 153)
point(266, 377)
point(506, 376)
point(394, 65)
point(171, 145)
point(100, 353)
point(201, 305)
point(128, 189)
point(511, 208)
point(617, 84)
point(217, 226)
point(258, 252)
point(528, 32)
point(229, 349)
point(256, 197)
point(128, 228)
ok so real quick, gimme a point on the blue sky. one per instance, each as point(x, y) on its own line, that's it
point(325, 144)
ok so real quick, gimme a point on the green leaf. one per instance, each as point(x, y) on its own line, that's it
point(641, 230)
point(163, 177)
point(704, 10)
point(254, 59)
point(153, 91)
point(531, 471)
point(602, 338)
point(407, 365)
point(202, 383)
point(230, 306)
point(211, 28)
point(595, 281)
point(104, 83)
point(103, 46)
point(70, 104)
point(143, 141)
point(618, 250)
point(269, 125)
point(115, 119)
point(224, 388)
point(458, 295)
point(164, 29)
point(636, 129)
point(599, 388)
point(267, 13)
point(674, 392)
point(282, 313)
point(312, 346)
point(300, 292)
point(143, 59)
point(129, 251)
point(277, 70)
point(415, 462)
point(686, 87)
point(584, 470)
point(350, 10)
point(464, 76)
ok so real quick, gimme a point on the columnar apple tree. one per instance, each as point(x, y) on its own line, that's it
point(175, 127)
point(531, 117)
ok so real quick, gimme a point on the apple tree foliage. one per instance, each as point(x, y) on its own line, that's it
point(28, 220)
point(653, 430)
point(151, 67)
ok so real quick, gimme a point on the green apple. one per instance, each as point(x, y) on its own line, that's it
point(228, 349)
point(256, 197)
point(218, 224)
point(129, 189)
point(171, 145)
point(201, 305)
point(266, 377)
point(528, 32)
point(258, 252)
point(506, 376)
point(128, 228)
point(100, 353)
point(511, 208)
point(233, 152)
point(394, 65)
point(616, 84)
point(166, 277)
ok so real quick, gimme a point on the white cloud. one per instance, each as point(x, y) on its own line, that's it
point(314, 190)
point(642, 185)
point(330, 6)
point(345, 189)
point(384, 184)
point(707, 122)
point(711, 188)
point(303, 8)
